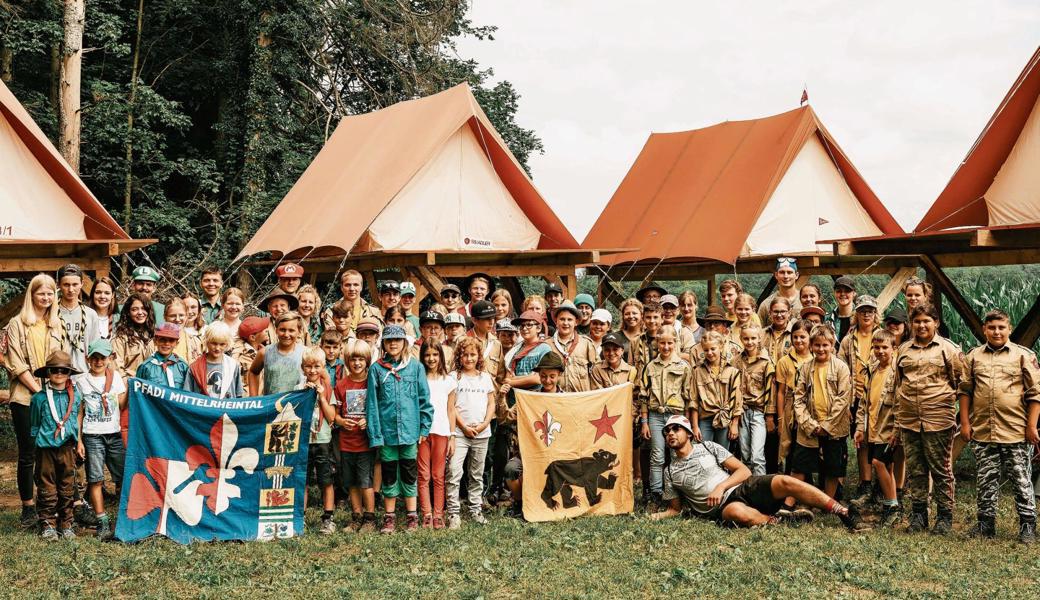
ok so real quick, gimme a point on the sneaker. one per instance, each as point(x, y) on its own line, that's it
point(427, 521)
point(438, 522)
point(852, 520)
point(328, 527)
point(986, 527)
point(802, 515)
point(389, 524)
point(891, 516)
point(104, 529)
point(1027, 532)
point(85, 515)
point(454, 522)
point(943, 524)
point(68, 533)
point(411, 522)
point(478, 518)
point(29, 517)
point(50, 534)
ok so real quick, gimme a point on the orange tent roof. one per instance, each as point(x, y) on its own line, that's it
point(961, 203)
point(97, 224)
point(697, 194)
point(370, 158)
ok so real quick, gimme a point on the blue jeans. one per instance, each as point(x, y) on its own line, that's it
point(710, 434)
point(656, 422)
point(104, 449)
point(753, 440)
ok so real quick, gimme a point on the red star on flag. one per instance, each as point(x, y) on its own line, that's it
point(605, 425)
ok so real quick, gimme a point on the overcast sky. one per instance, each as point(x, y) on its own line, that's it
point(904, 87)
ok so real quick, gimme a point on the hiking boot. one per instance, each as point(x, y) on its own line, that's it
point(355, 523)
point(863, 494)
point(104, 529)
point(438, 522)
point(368, 523)
point(918, 518)
point(505, 496)
point(891, 516)
point(29, 517)
point(943, 523)
point(50, 534)
point(454, 521)
point(85, 515)
point(852, 520)
point(478, 518)
point(427, 521)
point(986, 527)
point(328, 527)
point(389, 524)
point(1027, 531)
point(68, 533)
point(411, 522)
point(802, 515)
point(785, 515)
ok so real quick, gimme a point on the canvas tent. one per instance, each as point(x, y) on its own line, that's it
point(426, 184)
point(50, 217)
point(739, 190)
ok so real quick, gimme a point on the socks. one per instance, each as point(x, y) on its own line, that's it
point(326, 516)
point(836, 509)
point(893, 502)
point(413, 513)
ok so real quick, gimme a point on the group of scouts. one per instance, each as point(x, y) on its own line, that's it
point(742, 414)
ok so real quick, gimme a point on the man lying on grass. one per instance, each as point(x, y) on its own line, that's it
point(714, 484)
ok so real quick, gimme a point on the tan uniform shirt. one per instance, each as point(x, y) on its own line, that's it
point(775, 344)
point(665, 386)
point(603, 376)
point(1001, 383)
point(367, 310)
point(926, 385)
point(756, 379)
point(20, 358)
point(849, 351)
point(717, 397)
point(763, 309)
point(129, 354)
point(729, 352)
point(579, 355)
point(875, 417)
point(838, 393)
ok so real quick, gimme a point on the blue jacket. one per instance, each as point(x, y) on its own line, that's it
point(398, 407)
point(152, 370)
point(42, 425)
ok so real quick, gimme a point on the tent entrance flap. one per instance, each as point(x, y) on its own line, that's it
point(812, 202)
point(455, 202)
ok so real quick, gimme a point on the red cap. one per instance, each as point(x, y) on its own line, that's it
point(252, 326)
point(291, 270)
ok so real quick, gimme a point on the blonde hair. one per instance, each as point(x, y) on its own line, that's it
point(289, 315)
point(310, 289)
point(822, 330)
point(751, 327)
point(358, 348)
point(313, 355)
point(744, 299)
point(712, 337)
point(528, 301)
point(28, 312)
point(174, 302)
point(218, 332)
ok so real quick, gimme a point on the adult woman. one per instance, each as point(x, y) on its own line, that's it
point(631, 326)
point(103, 301)
point(132, 342)
point(503, 303)
point(310, 310)
point(31, 337)
point(232, 304)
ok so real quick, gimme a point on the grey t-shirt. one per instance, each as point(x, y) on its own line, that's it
point(81, 328)
point(691, 479)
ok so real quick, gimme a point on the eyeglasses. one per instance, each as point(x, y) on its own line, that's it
point(529, 325)
point(58, 371)
point(780, 312)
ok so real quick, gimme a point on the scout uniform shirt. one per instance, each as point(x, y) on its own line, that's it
point(821, 399)
point(578, 354)
point(164, 370)
point(716, 394)
point(365, 310)
point(776, 343)
point(1001, 382)
point(927, 378)
point(787, 373)
point(855, 350)
point(874, 418)
point(53, 416)
point(756, 381)
point(665, 386)
point(602, 376)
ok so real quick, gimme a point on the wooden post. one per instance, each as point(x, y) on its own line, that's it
point(1028, 329)
point(429, 279)
point(894, 288)
point(941, 284)
point(570, 286)
point(69, 85)
point(713, 292)
point(373, 291)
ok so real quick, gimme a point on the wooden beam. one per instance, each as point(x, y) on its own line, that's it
point(505, 270)
point(893, 288)
point(50, 265)
point(570, 285)
point(713, 292)
point(1028, 329)
point(609, 291)
point(373, 289)
point(429, 279)
point(945, 285)
point(1007, 238)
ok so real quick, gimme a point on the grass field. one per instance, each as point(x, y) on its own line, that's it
point(604, 557)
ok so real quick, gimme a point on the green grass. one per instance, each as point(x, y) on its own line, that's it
point(626, 556)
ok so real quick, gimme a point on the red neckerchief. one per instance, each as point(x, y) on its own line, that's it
point(393, 370)
point(522, 352)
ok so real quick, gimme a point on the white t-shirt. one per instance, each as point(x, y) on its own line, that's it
point(100, 415)
point(440, 389)
point(471, 400)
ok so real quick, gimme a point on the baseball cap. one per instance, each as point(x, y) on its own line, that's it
point(602, 315)
point(407, 288)
point(430, 316)
point(866, 301)
point(614, 338)
point(584, 299)
point(451, 287)
point(505, 325)
point(289, 271)
point(670, 300)
point(552, 288)
point(568, 306)
point(550, 360)
point(454, 318)
point(527, 315)
point(394, 332)
point(898, 314)
point(100, 346)
point(812, 310)
point(252, 326)
point(368, 324)
point(846, 282)
point(681, 421)
point(169, 331)
point(389, 286)
point(146, 274)
point(482, 310)
point(67, 270)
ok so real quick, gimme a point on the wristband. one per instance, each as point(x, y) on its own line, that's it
point(643, 421)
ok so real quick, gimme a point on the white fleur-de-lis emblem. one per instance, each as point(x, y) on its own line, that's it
point(547, 428)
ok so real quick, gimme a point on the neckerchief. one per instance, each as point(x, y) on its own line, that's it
point(521, 353)
point(103, 392)
point(59, 429)
point(395, 371)
point(565, 351)
point(165, 364)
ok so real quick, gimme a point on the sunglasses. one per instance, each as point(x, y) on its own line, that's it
point(672, 428)
point(449, 295)
point(58, 371)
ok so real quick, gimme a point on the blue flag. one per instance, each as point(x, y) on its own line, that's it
point(201, 468)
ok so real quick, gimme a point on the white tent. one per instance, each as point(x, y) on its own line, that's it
point(1014, 195)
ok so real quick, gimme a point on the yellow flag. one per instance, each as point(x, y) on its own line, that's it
point(576, 450)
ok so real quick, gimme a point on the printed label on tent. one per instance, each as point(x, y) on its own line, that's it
point(472, 242)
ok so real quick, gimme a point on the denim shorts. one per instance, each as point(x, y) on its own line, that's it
point(104, 449)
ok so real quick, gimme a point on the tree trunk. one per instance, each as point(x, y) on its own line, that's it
point(69, 86)
point(129, 185)
point(6, 58)
point(53, 95)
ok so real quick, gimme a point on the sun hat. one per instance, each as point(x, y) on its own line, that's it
point(293, 301)
point(714, 314)
point(550, 360)
point(59, 359)
point(681, 421)
point(652, 287)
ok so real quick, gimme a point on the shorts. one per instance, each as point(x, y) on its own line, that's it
point(756, 492)
point(104, 449)
point(355, 468)
point(829, 460)
point(319, 465)
point(883, 453)
point(514, 469)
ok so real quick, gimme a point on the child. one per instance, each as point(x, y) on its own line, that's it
point(776, 338)
point(643, 348)
point(104, 395)
point(612, 370)
point(821, 408)
point(164, 367)
point(474, 411)
point(744, 310)
point(53, 428)
point(454, 328)
point(756, 377)
point(331, 342)
point(856, 352)
point(215, 373)
point(786, 377)
point(577, 351)
point(189, 346)
point(280, 362)
point(356, 458)
point(716, 402)
point(874, 425)
point(549, 370)
point(715, 319)
point(319, 460)
point(664, 390)
point(439, 446)
point(1000, 403)
point(399, 414)
point(252, 336)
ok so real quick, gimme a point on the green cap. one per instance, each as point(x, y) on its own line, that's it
point(146, 274)
point(584, 299)
point(100, 346)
